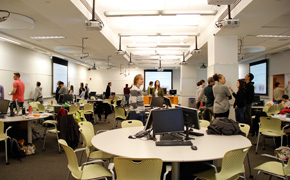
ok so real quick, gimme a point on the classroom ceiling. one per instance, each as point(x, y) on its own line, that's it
point(150, 30)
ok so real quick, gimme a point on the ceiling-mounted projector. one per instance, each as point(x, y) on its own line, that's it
point(220, 2)
point(230, 23)
point(94, 25)
point(160, 69)
point(120, 52)
point(183, 63)
point(196, 51)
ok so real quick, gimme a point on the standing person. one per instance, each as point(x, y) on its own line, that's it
point(278, 92)
point(137, 108)
point(250, 90)
point(71, 89)
point(18, 89)
point(200, 97)
point(240, 100)
point(57, 90)
point(222, 95)
point(127, 94)
point(149, 88)
point(207, 91)
point(82, 91)
point(63, 89)
point(38, 93)
point(87, 91)
point(157, 90)
point(108, 90)
point(1, 92)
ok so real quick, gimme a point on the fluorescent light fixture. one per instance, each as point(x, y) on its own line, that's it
point(273, 36)
point(9, 40)
point(157, 13)
point(159, 46)
point(161, 35)
point(47, 37)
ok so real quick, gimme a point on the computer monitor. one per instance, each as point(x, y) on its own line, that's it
point(256, 99)
point(92, 94)
point(167, 102)
point(165, 90)
point(68, 98)
point(190, 116)
point(4, 105)
point(149, 120)
point(167, 121)
point(172, 92)
point(156, 102)
point(113, 93)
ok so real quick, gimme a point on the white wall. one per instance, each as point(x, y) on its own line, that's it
point(176, 80)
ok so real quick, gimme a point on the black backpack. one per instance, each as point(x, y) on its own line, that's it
point(15, 149)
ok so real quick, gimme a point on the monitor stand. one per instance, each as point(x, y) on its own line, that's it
point(187, 133)
point(171, 136)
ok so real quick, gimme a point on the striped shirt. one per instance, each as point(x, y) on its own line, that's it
point(136, 100)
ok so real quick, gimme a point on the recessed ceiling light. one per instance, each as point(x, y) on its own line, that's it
point(9, 40)
point(47, 37)
point(274, 36)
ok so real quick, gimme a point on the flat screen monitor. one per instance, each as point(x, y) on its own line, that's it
point(167, 121)
point(164, 90)
point(172, 92)
point(149, 120)
point(256, 99)
point(68, 98)
point(167, 102)
point(92, 94)
point(190, 116)
point(156, 102)
point(4, 105)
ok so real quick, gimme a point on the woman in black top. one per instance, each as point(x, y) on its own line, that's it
point(240, 102)
point(82, 91)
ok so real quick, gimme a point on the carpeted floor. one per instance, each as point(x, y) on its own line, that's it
point(50, 165)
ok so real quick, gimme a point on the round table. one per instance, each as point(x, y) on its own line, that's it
point(209, 147)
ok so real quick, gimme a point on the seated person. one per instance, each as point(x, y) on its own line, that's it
point(285, 104)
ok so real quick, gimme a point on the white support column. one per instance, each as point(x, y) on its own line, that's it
point(187, 83)
point(223, 59)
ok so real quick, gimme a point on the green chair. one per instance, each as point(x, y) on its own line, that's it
point(138, 169)
point(270, 127)
point(131, 123)
point(52, 130)
point(87, 170)
point(245, 128)
point(271, 111)
point(4, 137)
point(232, 166)
point(274, 168)
point(73, 109)
point(89, 109)
point(204, 123)
point(120, 115)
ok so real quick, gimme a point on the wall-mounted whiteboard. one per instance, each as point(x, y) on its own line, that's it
point(59, 72)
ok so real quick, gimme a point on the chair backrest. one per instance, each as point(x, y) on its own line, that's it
point(232, 163)
point(41, 108)
point(271, 110)
point(141, 169)
point(131, 123)
point(72, 109)
point(73, 164)
point(270, 124)
point(34, 105)
point(87, 131)
point(204, 123)
point(83, 101)
point(245, 128)
point(120, 113)
point(278, 108)
point(89, 107)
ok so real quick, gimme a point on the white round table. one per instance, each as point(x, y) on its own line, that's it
point(209, 147)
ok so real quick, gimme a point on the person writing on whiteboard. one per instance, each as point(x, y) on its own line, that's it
point(137, 108)
point(157, 91)
point(240, 100)
point(38, 93)
point(18, 89)
point(278, 92)
point(222, 95)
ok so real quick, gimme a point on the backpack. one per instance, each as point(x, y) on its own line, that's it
point(79, 116)
point(15, 149)
point(224, 126)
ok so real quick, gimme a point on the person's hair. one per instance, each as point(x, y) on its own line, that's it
point(242, 84)
point(82, 85)
point(155, 84)
point(60, 83)
point(285, 96)
point(17, 74)
point(151, 82)
point(136, 78)
point(277, 84)
point(251, 76)
point(109, 83)
point(126, 85)
point(71, 87)
point(210, 79)
point(200, 82)
point(217, 77)
point(38, 83)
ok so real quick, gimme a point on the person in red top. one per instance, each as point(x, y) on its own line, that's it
point(18, 89)
point(127, 94)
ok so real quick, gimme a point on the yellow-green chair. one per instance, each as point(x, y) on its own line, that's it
point(120, 115)
point(87, 170)
point(138, 169)
point(82, 101)
point(271, 111)
point(4, 137)
point(87, 131)
point(245, 128)
point(231, 168)
point(52, 130)
point(270, 127)
point(204, 123)
point(131, 123)
point(73, 109)
point(41, 108)
point(274, 168)
point(34, 105)
point(89, 109)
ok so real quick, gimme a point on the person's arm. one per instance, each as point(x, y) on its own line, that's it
point(201, 94)
point(14, 89)
point(133, 98)
point(283, 105)
point(228, 93)
point(286, 86)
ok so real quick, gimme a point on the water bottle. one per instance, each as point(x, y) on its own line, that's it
point(30, 110)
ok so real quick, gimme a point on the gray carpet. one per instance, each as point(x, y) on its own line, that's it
point(50, 165)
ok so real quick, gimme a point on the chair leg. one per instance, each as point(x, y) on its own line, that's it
point(44, 139)
point(250, 170)
point(274, 142)
point(6, 155)
point(281, 141)
point(59, 150)
point(270, 177)
point(68, 176)
point(257, 143)
point(258, 174)
point(286, 177)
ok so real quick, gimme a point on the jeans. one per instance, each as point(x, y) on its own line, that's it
point(240, 114)
point(127, 96)
point(141, 116)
